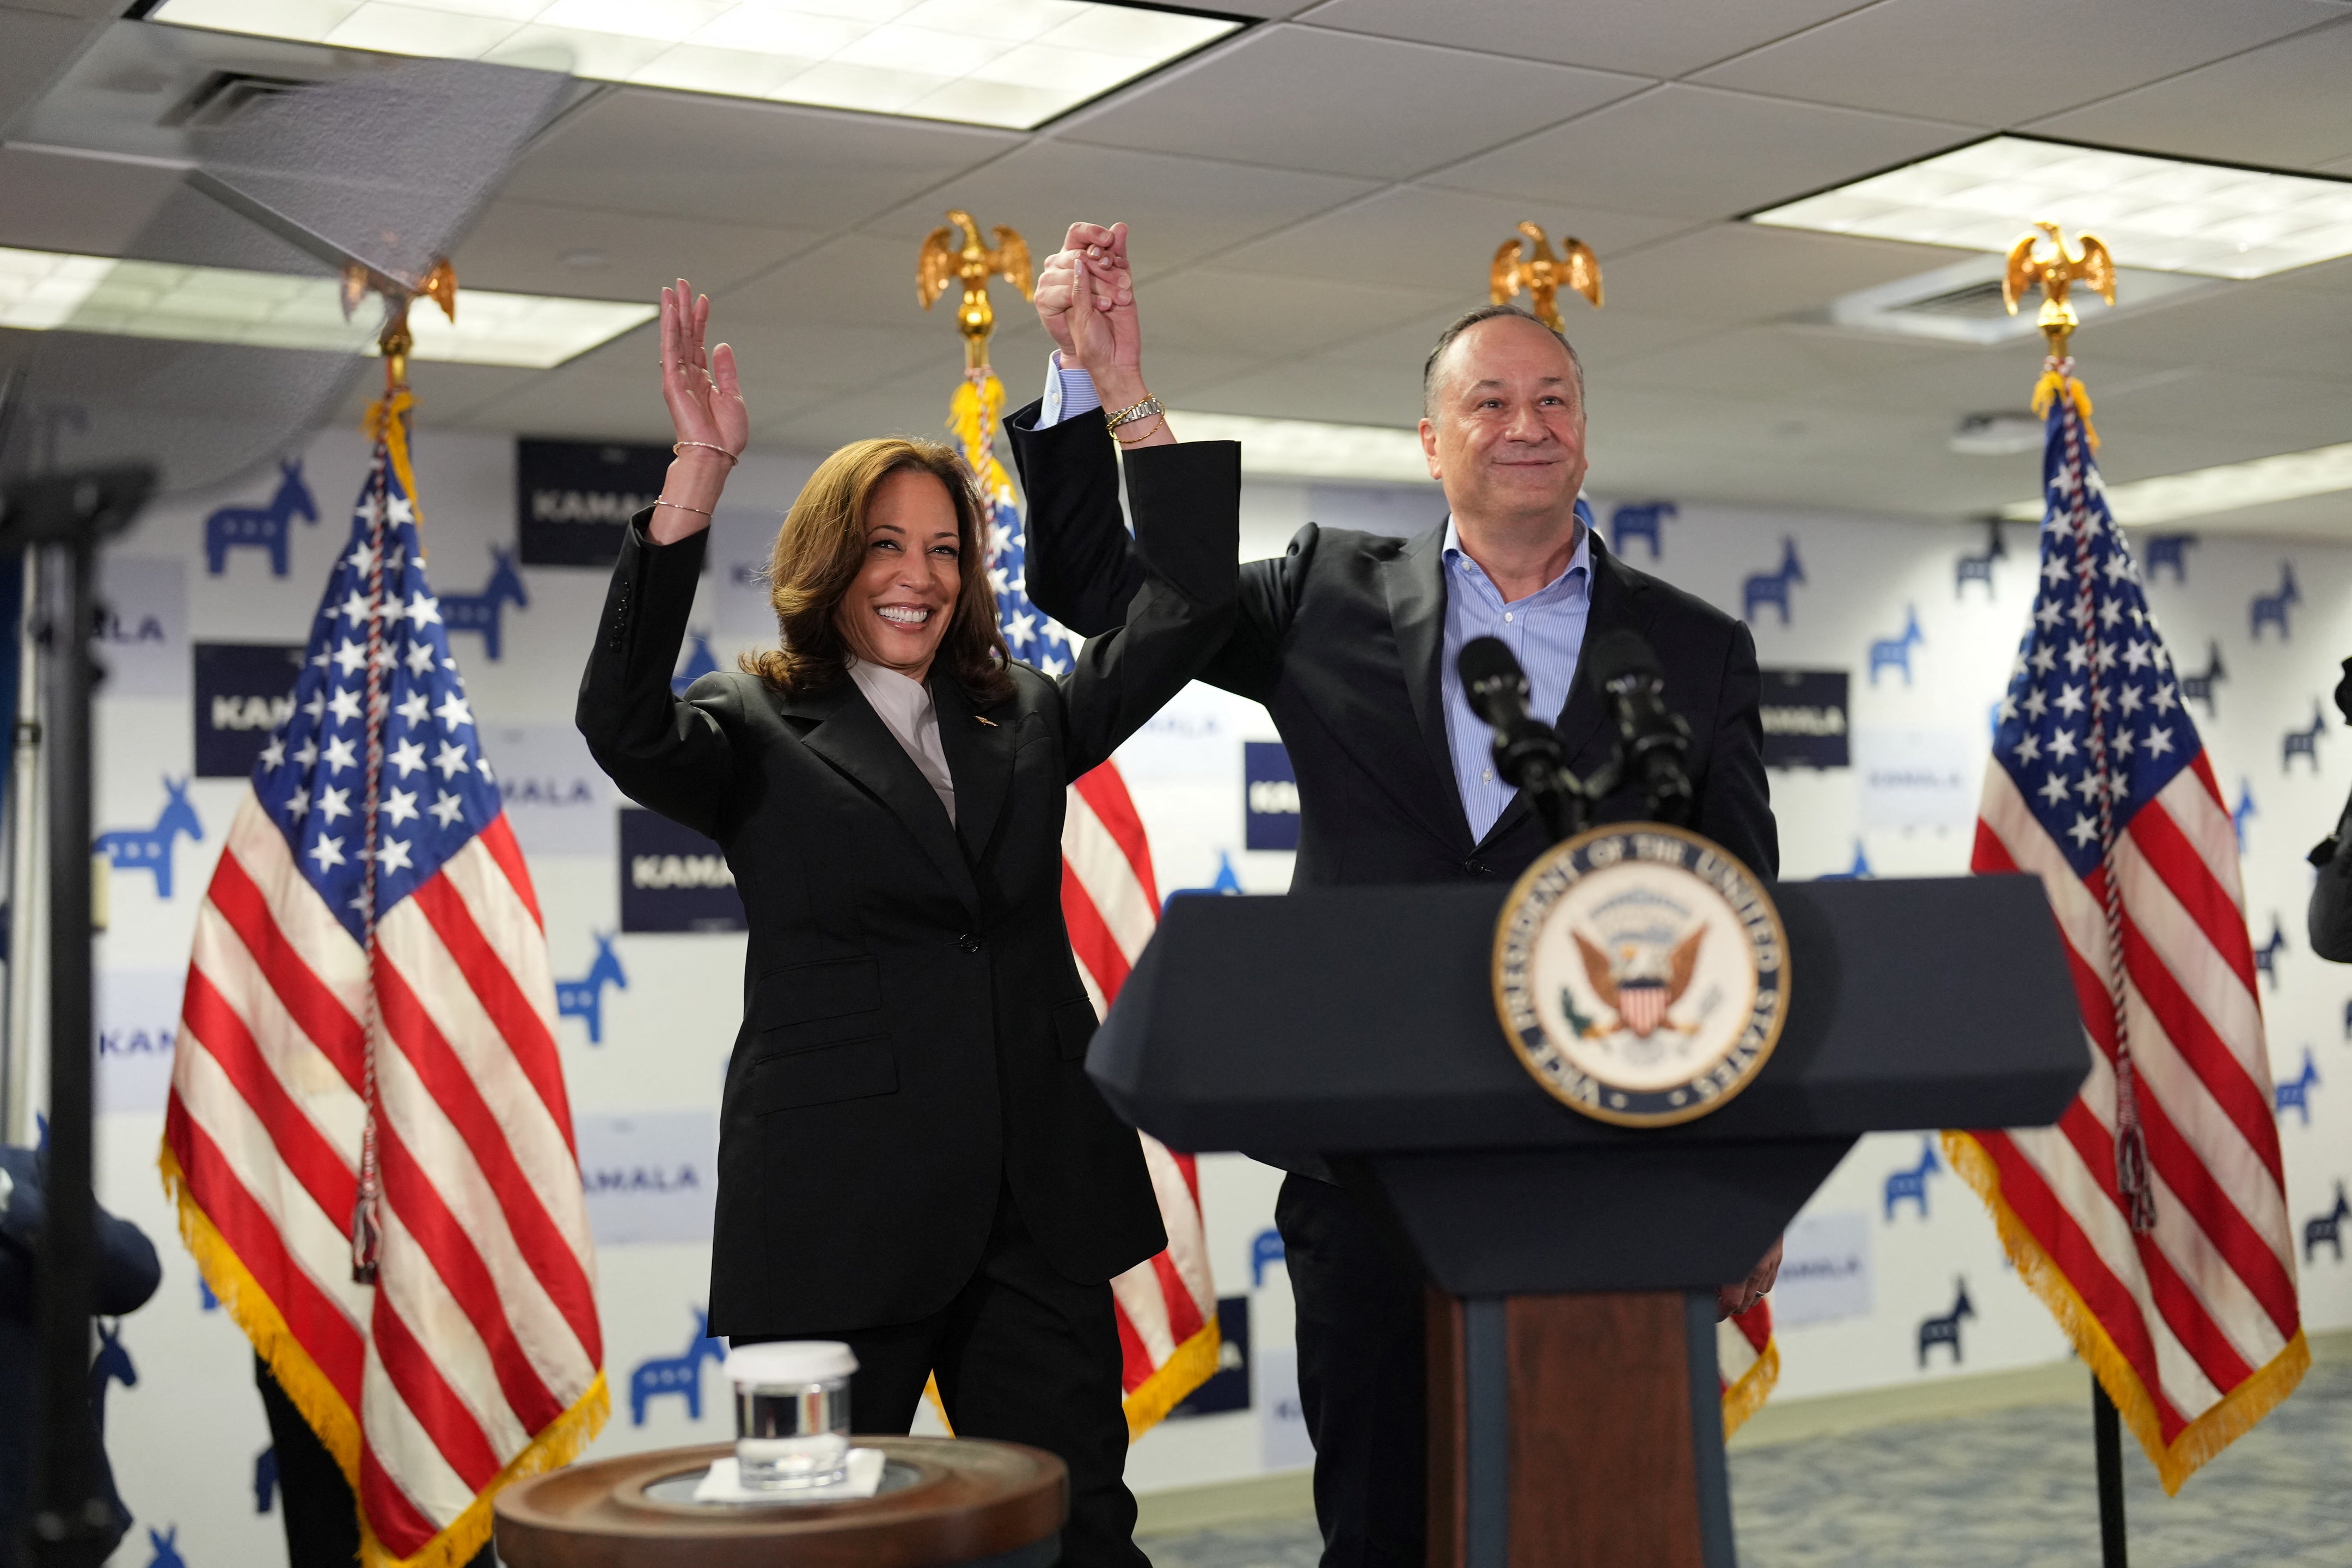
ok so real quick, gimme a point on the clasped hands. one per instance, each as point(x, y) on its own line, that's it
point(1085, 301)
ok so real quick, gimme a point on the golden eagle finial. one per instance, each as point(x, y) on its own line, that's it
point(1542, 275)
point(2090, 265)
point(439, 285)
point(972, 264)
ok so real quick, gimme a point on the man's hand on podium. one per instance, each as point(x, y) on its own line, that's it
point(1730, 1301)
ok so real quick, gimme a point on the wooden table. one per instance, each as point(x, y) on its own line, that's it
point(941, 1502)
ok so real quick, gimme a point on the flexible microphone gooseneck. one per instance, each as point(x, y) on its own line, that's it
point(1526, 751)
point(1623, 668)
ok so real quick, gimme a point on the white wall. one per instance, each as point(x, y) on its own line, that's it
point(186, 1437)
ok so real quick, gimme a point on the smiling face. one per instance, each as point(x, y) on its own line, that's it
point(1505, 429)
point(903, 598)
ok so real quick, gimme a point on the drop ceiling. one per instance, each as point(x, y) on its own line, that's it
point(1313, 198)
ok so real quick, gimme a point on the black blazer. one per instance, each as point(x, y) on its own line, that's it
point(1340, 639)
point(914, 1028)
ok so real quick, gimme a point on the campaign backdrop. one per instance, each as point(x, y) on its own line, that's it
point(1888, 641)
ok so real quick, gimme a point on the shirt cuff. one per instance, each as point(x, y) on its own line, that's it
point(1068, 393)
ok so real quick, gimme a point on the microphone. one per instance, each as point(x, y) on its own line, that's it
point(1654, 740)
point(1526, 751)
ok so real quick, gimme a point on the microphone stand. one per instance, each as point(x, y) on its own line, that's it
point(64, 517)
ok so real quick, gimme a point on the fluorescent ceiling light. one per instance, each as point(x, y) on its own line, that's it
point(1011, 63)
point(2163, 214)
point(1303, 449)
point(2290, 476)
point(42, 290)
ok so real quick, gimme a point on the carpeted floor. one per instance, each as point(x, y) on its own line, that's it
point(2010, 1489)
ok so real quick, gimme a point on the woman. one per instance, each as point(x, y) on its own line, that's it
point(911, 1158)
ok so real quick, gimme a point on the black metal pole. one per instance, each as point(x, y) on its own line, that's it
point(2108, 1429)
point(69, 1522)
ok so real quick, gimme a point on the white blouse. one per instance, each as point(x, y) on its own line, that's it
point(907, 711)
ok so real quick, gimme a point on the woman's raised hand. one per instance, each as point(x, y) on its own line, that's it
point(705, 399)
point(705, 413)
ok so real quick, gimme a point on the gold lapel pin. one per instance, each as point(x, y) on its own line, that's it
point(990, 723)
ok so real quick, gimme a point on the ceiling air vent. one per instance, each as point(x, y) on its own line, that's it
point(223, 96)
point(1961, 303)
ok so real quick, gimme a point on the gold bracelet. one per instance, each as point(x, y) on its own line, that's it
point(1147, 436)
point(677, 448)
point(679, 506)
point(1143, 410)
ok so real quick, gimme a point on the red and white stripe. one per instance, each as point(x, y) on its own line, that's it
point(1167, 1304)
point(2194, 1327)
point(476, 1355)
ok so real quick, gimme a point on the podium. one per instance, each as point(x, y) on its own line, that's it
point(1573, 1402)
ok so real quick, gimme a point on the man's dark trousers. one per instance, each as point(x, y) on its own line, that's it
point(1361, 1377)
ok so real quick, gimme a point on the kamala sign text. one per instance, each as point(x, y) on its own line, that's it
point(574, 499)
point(1805, 719)
point(673, 879)
point(1270, 798)
point(244, 691)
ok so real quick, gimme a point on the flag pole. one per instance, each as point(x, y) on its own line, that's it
point(2091, 266)
point(2107, 1431)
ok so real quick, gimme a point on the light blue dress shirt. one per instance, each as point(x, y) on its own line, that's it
point(1545, 631)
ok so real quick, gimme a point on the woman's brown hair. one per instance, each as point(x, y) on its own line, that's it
point(821, 548)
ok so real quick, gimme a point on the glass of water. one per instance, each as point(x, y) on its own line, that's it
point(792, 1413)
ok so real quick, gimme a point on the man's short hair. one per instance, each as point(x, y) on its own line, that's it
point(1470, 319)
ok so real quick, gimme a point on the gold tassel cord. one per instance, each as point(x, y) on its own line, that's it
point(2053, 386)
point(2202, 1439)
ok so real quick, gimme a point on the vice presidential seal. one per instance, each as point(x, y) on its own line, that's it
point(1641, 973)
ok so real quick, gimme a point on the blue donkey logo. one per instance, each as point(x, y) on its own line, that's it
point(1630, 522)
point(167, 1550)
point(584, 997)
point(480, 611)
point(262, 527)
point(1764, 588)
point(150, 848)
point(680, 1375)
point(1895, 653)
point(698, 663)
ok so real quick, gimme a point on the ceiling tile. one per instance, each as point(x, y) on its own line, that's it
point(1734, 272)
point(1698, 152)
point(524, 245)
point(2240, 326)
point(36, 47)
point(1306, 99)
point(1197, 206)
point(1263, 315)
point(1649, 41)
point(1433, 239)
point(672, 154)
point(1319, 389)
point(2288, 105)
point(1761, 360)
point(1997, 62)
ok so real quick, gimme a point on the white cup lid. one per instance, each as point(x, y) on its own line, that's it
point(786, 1362)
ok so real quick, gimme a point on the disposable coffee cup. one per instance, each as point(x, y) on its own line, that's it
point(792, 1413)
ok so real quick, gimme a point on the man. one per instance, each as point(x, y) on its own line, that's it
point(1351, 640)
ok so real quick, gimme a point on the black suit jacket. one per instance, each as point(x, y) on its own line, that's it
point(1340, 639)
point(914, 1026)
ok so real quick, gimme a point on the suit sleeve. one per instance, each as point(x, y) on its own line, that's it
point(1084, 568)
point(1735, 805)
point(1188, 520)
point(664, 754)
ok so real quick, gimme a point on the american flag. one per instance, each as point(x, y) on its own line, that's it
point(1167, 1305)
point(2152, 1218)
point(373, 1057)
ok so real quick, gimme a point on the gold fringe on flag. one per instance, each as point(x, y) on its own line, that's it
point(2202, 1439)
point(1747, 1396)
